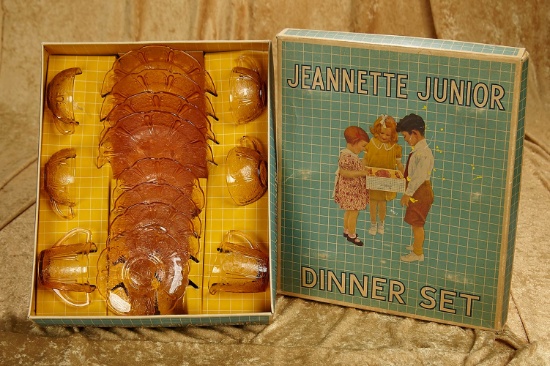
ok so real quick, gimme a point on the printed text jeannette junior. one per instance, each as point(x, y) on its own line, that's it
point(390, 290)
point(453, 91)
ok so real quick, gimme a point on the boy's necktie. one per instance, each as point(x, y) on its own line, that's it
point(406, 172)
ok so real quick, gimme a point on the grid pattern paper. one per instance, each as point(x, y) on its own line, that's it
point(473, 142)
point(93, 187)
point(222, 213)
point(403, 41)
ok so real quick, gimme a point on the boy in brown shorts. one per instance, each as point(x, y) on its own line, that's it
point(419, 196)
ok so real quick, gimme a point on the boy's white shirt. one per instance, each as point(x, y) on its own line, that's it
point(421, 165)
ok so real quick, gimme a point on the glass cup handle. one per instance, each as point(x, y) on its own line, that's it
point(66, 215)
point(252, 143)
point(74, 232)
point(65, 298)
point(62, 241)
point(62, 127)
point(242, 236)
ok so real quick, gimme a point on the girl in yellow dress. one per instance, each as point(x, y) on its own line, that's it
point(382, 151)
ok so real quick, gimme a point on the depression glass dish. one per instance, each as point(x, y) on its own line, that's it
point(240, 266)
point(158, 215)
point(60, 100)
point(162, 102)
point(144, 272)
point(246, 175)
point(158, 57)
point(59, 178)
point(155, 81)
point(162, 171)
point(199, 101)
point(247, 96)
point(155, 135)
point(150, 193)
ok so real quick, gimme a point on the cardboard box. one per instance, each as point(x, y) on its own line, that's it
point(381, 179)
point(93, 192)
point(472, 99)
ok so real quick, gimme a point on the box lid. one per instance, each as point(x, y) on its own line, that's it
point(472, 99)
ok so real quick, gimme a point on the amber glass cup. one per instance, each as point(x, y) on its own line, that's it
point(241, 266)
point(64, 267)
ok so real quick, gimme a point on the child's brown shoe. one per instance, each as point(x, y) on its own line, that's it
point(355, 240)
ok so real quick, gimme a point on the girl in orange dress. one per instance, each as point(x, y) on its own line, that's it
point(382, 152)
point(350, 189)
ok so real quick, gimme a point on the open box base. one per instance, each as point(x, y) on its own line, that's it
point(95, 187)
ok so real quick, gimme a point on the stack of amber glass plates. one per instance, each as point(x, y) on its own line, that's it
point(156, 116)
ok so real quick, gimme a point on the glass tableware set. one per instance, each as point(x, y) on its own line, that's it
point(156, 140)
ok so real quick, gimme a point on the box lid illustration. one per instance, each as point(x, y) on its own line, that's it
point(471, 98)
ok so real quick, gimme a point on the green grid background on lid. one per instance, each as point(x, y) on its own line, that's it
point(471, 150)
point(429, 43)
